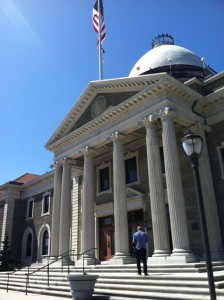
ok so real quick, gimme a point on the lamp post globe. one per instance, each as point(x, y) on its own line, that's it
point(192, 145)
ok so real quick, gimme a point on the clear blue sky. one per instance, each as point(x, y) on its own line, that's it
point(48, 56)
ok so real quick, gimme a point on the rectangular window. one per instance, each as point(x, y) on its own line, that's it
point(46, 204)
point(131, 170)
point(104, 179)
point(30, 205)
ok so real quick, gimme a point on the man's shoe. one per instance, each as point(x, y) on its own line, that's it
point(139, 274)
point(146, 274)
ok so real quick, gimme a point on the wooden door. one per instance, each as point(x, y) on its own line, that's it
point(106, 243)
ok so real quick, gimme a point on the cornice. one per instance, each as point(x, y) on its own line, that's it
point(213, 102)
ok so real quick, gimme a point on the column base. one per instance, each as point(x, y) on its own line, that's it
point(53, 258)
point(174, 259)
point(157, 260)
point(161, 253)
point(182, 257)
point(88, 261)
point(121, 259)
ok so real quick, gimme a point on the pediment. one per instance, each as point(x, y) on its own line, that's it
point(133, 194)
point(81, 111)
point(102, 101)
point(100, 104)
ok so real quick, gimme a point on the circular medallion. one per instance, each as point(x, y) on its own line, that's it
point(98, 106)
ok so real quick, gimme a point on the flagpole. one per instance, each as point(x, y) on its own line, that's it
point(99, 44)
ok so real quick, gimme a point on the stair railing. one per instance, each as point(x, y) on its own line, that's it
point(10, 273)
point(64, 256)
point(83, 259)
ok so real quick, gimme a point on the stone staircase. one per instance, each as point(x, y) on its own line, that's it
point(182, 282)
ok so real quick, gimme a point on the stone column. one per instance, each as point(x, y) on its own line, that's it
point(56, 211)
point(88, 218)
point(175, 194)
point(157, 197)
point(120, 203)
point(88, 223)
point(65, 216)
point(210, 205)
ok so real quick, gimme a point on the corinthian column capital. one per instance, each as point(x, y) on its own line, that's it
point(86, 151)
point(151, 120)
point(116, 136)
point(167, 113)
point(56, 165)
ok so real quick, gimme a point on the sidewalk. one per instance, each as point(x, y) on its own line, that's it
point(11, 295)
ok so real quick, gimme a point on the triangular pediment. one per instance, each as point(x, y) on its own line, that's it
point(133, 194)
point(113, 91)
point(100, 104)
point(103, 101)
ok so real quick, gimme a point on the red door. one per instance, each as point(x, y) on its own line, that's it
point(106, 243)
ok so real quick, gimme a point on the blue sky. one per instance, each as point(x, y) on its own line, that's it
point(48, 56)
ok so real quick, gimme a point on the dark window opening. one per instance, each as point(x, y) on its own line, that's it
point(30, 209)
point(45, 243)
point(104, 179)
point(29, 245)
point(131, 170)
point(46, 204)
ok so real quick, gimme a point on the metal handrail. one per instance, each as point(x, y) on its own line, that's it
point(83, 267)
point(62, 257)
point(23, 267)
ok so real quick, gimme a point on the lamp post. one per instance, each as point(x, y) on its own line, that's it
point(193, 145)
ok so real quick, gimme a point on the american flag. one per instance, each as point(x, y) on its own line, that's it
point(95, 19)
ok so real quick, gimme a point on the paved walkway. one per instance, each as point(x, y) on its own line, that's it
point(22, 296)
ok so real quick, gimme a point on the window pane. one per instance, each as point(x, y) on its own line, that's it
point(29, 244)
point(30, 209)
point(131, 170)
point(46, 204)
point(104, 179)
point(45, 243)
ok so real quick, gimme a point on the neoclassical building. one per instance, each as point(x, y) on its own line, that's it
point(118, 163)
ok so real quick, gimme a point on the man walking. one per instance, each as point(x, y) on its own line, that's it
point(139, 241)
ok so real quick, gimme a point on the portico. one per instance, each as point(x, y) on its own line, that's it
point(110, 119)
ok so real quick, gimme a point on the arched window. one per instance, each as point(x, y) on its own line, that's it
point(45, 243)
point(29, 245)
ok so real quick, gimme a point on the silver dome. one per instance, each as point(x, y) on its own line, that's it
point(165, 55)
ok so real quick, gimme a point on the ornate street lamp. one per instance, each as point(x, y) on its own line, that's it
point(193, 145)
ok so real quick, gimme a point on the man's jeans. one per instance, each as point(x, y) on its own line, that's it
point(141, 255)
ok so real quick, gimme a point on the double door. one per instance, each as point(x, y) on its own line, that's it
point(106, 243)
point(106, 238)
point(106, 233)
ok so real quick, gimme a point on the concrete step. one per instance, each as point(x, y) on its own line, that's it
point(156, 295)
point(164, 282)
